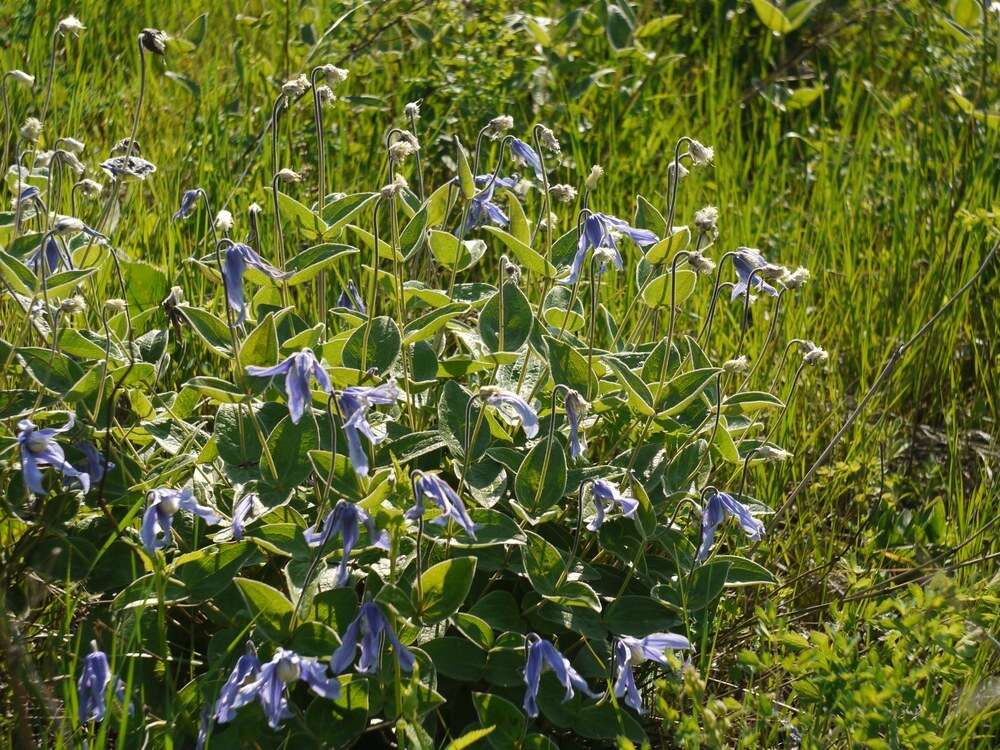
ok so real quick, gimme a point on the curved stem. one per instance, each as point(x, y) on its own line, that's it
point(138, 104)
point(48, 83)
point(549, 440)
point(767, 340)
point(321, 181)
point(674, 182)
point(707, 327)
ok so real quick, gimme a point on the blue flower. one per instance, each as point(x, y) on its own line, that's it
point(39, 448)
point(498, 396)
point(451, 505)
point(525, 154)
point(246, 670)
point(720, 505)
point(508, 183)
point(483, 209)
point(345, 519)
point(95, 461)
point(370, 625)
point(93, 685)
point(576, 410)
point(299, 369)
point(268, 686)
point(238, 257)
point(355, 402)
point(188, 200)
point(599, 232)
point(540, 654)
point(51, 254)
point(241, 511)
point(158, 519)
point(606, 494)
point(351, 298)
point(630, 652)
point(746, 260)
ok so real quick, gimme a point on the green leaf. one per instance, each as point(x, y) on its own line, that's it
point(338, 214)
point(470, 738)
point(196, 30)
point(515, 327)
point(383, 345)
point(677, 286)
point(209, 328)
point(260, 347)
point(61, 284)
point(207, 571)
point(519, 227)
point(444, 587)
point(476, 629)
point(449, 251)
point(290, 444)
point(270, 610)
point(309, 223)
point(525, 255)
point(540, 484)
point(568, 367)
point(338, 722)
point(638, 616)
point(509, 723)
point(220, 390)
point(309, 263)
point(411, 239)
point(657, 25)
point(499, 609)
point(456, 658)
point(664, 250)
point(782, 23)
point(145, 285)
point(750, 401)
point(639, 397)
point(680, 391)
point(451, 413)
point(555, 307)
point(51, 369)
point(427, 325)
point(745, 572)
point(618, 27)
point(465, 177)
point(17, 275)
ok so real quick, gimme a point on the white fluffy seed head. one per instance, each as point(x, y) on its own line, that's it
point(412, 110)
point(223, 221)
point(89, 188)
point(796, 279)
point(288, 175)
point(563, 193)
point(394, 188)
point(70, 25)
point(771, 453)
point(31, 129)
point(700, 153)
point(548, 139)
point(293, 88)
point(706, 219)
point(736, 366)
point(73, 305)
point(68, 225)
point(334, 75)
point(701, 264)
point(153, 40)
point(596, 173)
point(499, 125)
point(21, 77)
point(325, 94)
point(816, 356)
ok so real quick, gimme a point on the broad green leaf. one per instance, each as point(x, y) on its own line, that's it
point(209, 328)
point(310, 224)
point(555, 306)
point(217, 389)
point(515, 326)
point(569, 367)
point(744, 572)
point(664, 250)
point(509, 723)
point(444, 587)
point(375, 345)
point(338, 214)
point(657, 25)
point(456, 658)
point(521, 251)
point(677, 286)
point(451, 252)
point(638, 616)
point(541, 479)
point(679, 392)
point(270, 611)
point(639, 396)
point(465, 177)
point(309, 263)
point(427, 325)
point(750, 401)
point(260, 347)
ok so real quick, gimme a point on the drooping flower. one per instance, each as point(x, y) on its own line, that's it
point(508, 183)
point(39, 448)
point(128, 169)
point(700, 153)
point(431, 486)
point(351, 298)
point(541, 653)
point(269, 685)
point(51, 255)
point(188, 201)
point(31, 129)
point(92, 686)
point(720, 506)
point(355, 402)
point(746, 260)
point(237, 257)
point(605, 496)
point(483, 209)
point(599, 232)
point(21, 77)
point(153, 40)
point(158, 519)
point(630, 652)
point(815, 355)
point(241, 512)
point(498, 396)
point(246, 670)
point(369, 627)
point(522, 153)
point(345, 519)
point(95, 461)
point(299, 369)
point(576, 410)
point(499, 125)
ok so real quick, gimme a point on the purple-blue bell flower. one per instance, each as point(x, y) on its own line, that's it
point(39, 448)
point(241, 512)
point(188, 200)
point(630, 652)
point(53, 258)
point(605, 495)
point(351, 298)
point(299, 369)
point(598, 232)
point(268, 687)
point(498, 396)
point(576, 410)
point(246, 670)
point(525, 154)
point(746, 260)
point(720, 506)
point(508, 183)
point(355, 402)
point(95, 462)
point(28, 194)
point(158, 519)
point(437, 490)
point(345, 519)
point(483, 209)
point(237, 257)
point(92, 686)
point(369, 626)
point(540, 654)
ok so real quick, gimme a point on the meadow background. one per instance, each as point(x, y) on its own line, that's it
point(840, 146)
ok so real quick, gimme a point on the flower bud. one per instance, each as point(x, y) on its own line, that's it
point(700, 153)
point(596, 172)
point(70, 25)
point(153, 40)
point(563, 193)
point(499, 125)
point(736, 366)
point(223, 221)
point(21, 77)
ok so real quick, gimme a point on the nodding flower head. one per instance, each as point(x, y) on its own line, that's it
point(295, 87)
point(23, 78)
point(92, 686)
point(404, 145)
point(366, 632)
point(542, 654)
point(596, 173)
point(701, 263)
point(498, 397)
point(412, 111)
point(431, 486)
point(736, 366)
point(40, 449)
point(355, 402)
point(325, 94)
point(128, 169)
point(188, 201)
point(771, 453)
point(482, 208)
point(241, 514)
point(747, 260)
point(350, 298)
point(524, 154)
point(153, 40)
point(700, 153)
point(238, 257)
point(815, 355)
point(299, 370)
point(720, 506)
point(158, 520)
point(333, 74)
point(394, 188)
point(563, 193)
point(345, 519)
point(31, 129)
point(548, 139)
point(245, 672)
point(74, 305)
point(795, 279)
point(630, 652)
point(90, 189)
point(677, 171)
point(65, 225)
point(223, 221)
point(606, 495)
point(706, 219)
point(70, 25)
point(499, 125)
point(288, 175)
point(599, 231)
point(72, 145)
point(576, 409)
